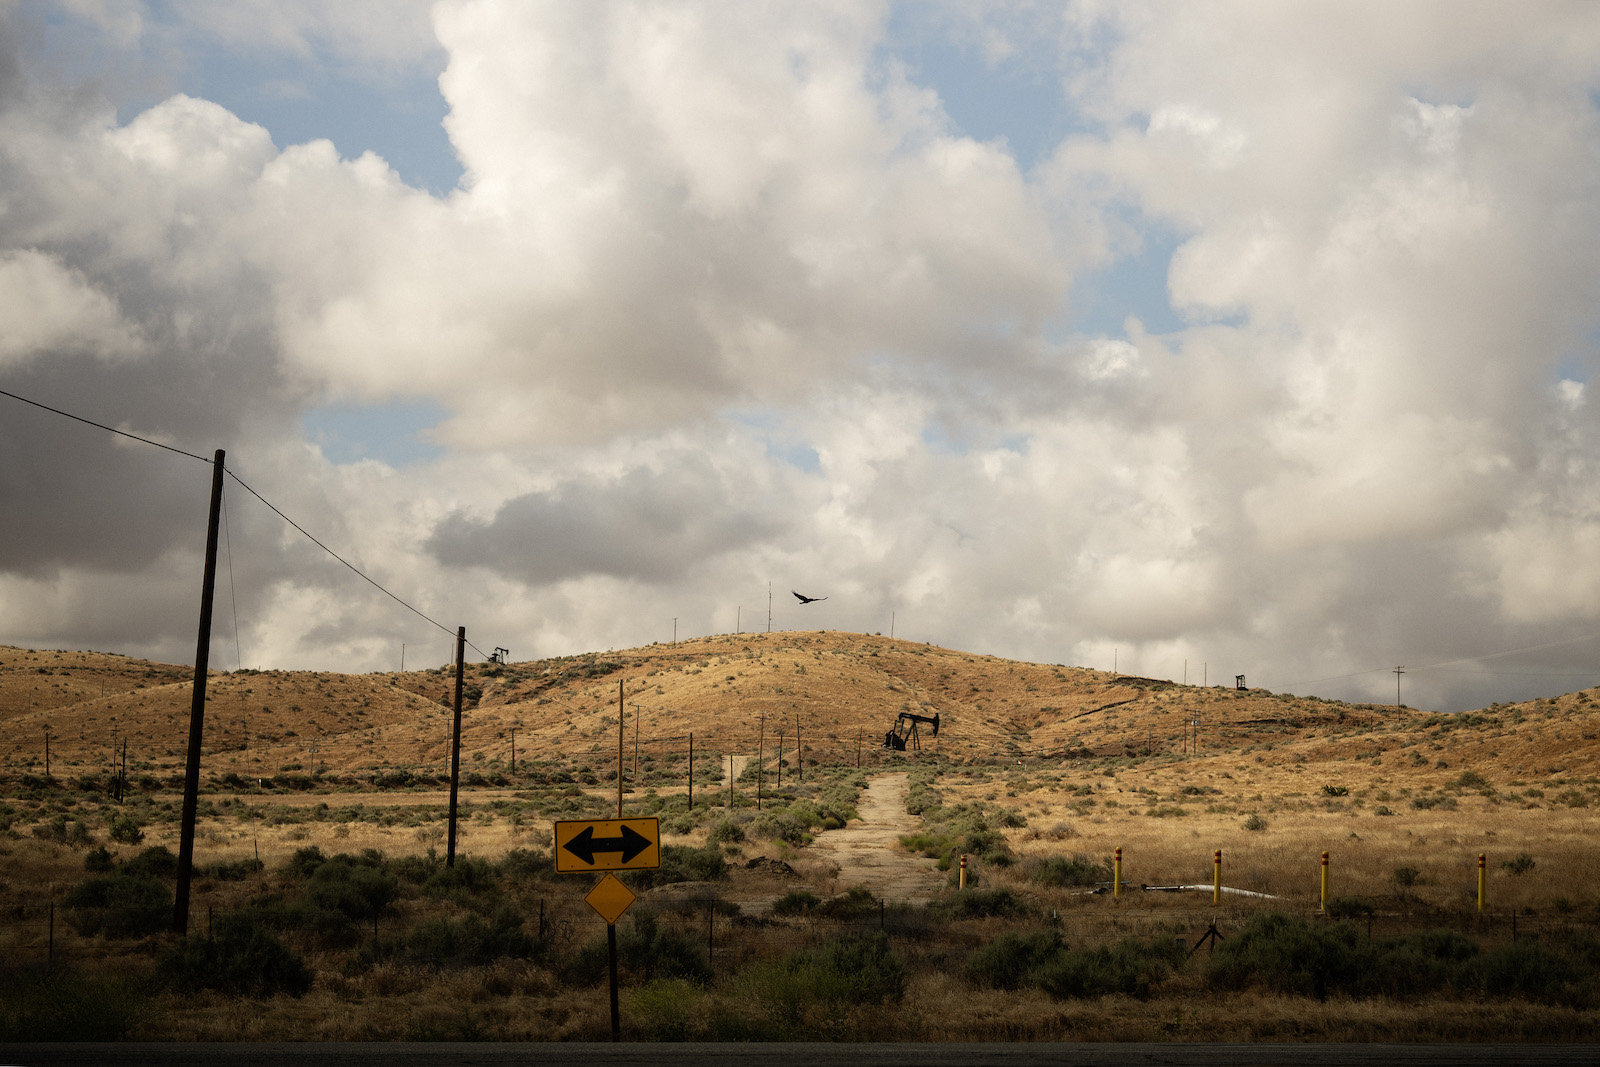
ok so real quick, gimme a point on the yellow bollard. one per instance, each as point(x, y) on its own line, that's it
point(1482, 876)
point(1216, 878)
point(1116, 875)
point(963, 873)
point(1324, 882)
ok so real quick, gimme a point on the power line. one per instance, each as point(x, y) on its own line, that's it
point(353, 568)
point(103, 426)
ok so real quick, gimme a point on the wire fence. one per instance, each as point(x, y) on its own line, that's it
point(736, 931)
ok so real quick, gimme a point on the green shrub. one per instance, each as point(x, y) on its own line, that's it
point(981, 904)
point(120, 904)
point(526, 864)
point(469, 878)
point(1536, 972)
point(1255, 823)
point(646, 949)
point(1519, 864)
point(125, 828)
point(681, 863)
point(70, 1005)
point(1060, 871)
point(796, 902)
point(1406, 877)
point(725, 831)
point(356, 888)
point(1349, 907)
point(666, 1009)
point(98, 860)
point(241, 960)
point(779, 826)
point(470, 941)
point(1009, 962)
point(1131, 967)
point(855, 903)
point(232, 870)
point(814, 990)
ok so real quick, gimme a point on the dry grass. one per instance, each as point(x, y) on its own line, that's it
point(1088, 760)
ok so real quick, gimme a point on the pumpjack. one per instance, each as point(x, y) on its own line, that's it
point(905, 731)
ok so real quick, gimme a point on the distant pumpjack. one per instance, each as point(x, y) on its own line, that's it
point(905, 731)
point(807, 599)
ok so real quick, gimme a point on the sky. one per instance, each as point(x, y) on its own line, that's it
point(1193, 340)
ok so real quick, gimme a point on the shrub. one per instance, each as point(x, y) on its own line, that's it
point(1336, 790)
point(646, 949)
point(815, 989)
point(242, 960)
point(1009, 962)
point(725, 831)
point(666, 1009)
point(1406, 877)
point(1255, 823)
point(158, 861)
point(120, 904)
point(779, 826)
point(1131, 967)
point(126, 830)
point(65, 831)
point(356, 888)
point(1535, 972)
point(980, 904)
point(1519, 864)
point(681, 863)
point(460, 884)
point(98, 860)
point(1060, 871)
point(470, 941)
point(796, 902)
point(857, 902)
point(1289, 955)
point(1349, 907)
point(69, 1005)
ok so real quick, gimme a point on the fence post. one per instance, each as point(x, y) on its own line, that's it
point(1324, 883)
point(1216, 877)
point(711, 943)
point(1482, 877)
point(1116, 874)
point(50, 957)
point(963, 883)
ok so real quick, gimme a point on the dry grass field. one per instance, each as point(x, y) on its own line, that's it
point(1039, 772)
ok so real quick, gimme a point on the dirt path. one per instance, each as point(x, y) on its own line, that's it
point(868, 852)
point(739, 764)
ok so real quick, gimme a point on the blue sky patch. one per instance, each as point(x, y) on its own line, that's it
point(390, 433)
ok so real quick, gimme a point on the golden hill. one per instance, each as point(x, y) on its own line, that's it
point(840, 690)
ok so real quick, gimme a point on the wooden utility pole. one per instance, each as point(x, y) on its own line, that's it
point(1398, 671)
point(455, 744)
point(621, 740)
point(780, 759)
point(636, 742)
point(799, 750)
point(761, 738)
point(47, 751)
point(691, 772)
point(197, 707)
point(513, 751)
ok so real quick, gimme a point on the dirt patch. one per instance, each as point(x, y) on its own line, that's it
point(868, 852)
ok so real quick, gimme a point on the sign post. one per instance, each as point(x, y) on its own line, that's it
point(583, 845)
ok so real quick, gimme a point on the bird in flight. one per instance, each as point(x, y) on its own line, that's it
point(807, 599)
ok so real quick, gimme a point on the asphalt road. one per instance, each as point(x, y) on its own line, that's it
point(399, 1054)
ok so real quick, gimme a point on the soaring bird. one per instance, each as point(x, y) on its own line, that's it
point(807, 599)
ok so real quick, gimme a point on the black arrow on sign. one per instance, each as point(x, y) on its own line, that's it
point(586, 846)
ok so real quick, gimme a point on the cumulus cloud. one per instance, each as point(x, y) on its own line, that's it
point(725, 296)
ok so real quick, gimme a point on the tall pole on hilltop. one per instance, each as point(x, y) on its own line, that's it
point(197, 707)
point(1398, 671)
point(455, 745)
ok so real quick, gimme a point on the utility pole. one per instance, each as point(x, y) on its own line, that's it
point(769, 607)
point(402, 657)
point(621, 740)
point(799, 749)
point(455, 745)
point(197, 707)
point(674, 629)
point(1398, 671)
point(761, 739)
point(47, 751)
point(691, 772)
point(636, 742)
point(738, 619)
point(780, 759)
point(513, 751)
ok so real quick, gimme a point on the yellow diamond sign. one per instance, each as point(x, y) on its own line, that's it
point(610, 899)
